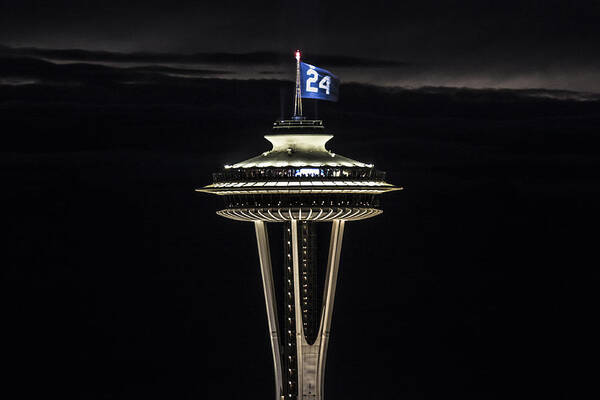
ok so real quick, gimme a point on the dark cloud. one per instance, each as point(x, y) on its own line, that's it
point(270, 72)
point(350, 69)
point(19, 70)
point(510, 44)
point(255, 58)
point(22, 69)
point(161, 98)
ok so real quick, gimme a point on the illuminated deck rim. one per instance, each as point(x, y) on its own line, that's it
point(298, 187)
point(336, 183)
point(315, 214)
point(238, 191)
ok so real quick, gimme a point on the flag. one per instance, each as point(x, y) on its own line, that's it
point(318, 83)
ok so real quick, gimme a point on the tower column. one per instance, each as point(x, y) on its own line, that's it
point(331, 277)
point(264, 253)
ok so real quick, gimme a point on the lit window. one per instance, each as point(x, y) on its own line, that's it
point(309, 172)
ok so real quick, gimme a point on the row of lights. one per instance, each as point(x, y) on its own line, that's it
point(314, 203)
point(291, 339)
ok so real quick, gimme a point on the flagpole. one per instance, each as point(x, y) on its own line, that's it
point(298, 96)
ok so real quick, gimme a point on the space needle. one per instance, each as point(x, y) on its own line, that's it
point(299, 183)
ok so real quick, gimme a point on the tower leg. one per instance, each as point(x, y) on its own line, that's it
point(264, 254)
point(333, 264)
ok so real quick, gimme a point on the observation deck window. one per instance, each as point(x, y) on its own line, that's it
point(309, 172)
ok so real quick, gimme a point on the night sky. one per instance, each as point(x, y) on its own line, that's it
point(479, 281)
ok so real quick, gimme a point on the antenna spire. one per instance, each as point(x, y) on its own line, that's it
point(298, 95)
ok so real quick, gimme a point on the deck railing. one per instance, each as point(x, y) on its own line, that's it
point(256, 174)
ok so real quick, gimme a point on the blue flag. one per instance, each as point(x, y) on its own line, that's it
point(318, 83)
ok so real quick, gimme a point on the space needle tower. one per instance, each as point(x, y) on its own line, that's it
point(301, 184)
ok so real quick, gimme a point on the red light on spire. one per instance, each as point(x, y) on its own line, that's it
point(298, 55)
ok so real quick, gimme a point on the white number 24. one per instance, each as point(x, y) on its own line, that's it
point(314, 76)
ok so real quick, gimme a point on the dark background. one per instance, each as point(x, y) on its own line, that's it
point(479, 280)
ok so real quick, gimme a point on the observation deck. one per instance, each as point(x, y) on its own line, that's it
point(299, 179)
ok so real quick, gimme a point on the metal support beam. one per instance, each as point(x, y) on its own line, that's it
point(333, 264)
point(264, 253)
